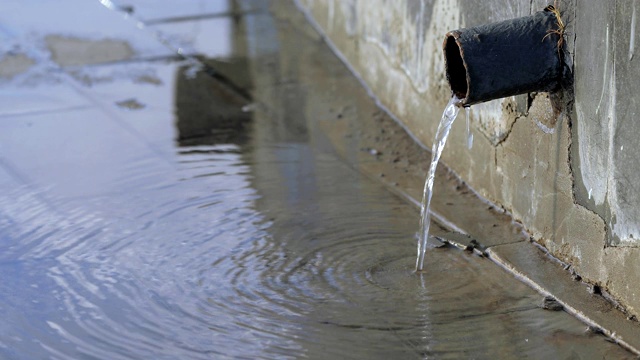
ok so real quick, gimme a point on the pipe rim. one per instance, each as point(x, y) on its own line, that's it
point(455, 66)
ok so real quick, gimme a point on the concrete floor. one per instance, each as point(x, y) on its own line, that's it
point(113, 65)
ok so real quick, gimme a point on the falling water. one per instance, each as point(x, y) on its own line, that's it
point(448, 116)
point(467, 110)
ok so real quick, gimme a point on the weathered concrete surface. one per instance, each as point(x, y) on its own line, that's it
point(114, 127)
point(606, 105)
point(549, 278)
point(568, 177)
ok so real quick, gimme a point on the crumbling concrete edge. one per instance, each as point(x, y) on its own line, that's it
point(526, 261)
point(536, 267)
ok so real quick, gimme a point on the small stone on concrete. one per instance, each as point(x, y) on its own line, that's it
point(550, 303)
point(575, 275)
point(595, 330)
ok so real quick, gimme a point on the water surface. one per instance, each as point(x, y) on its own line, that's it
point(150, 211)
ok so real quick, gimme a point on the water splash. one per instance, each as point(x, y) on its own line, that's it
point(467, 110)
point(448, 116)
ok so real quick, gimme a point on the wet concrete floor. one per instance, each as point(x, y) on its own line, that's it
point(176, 190)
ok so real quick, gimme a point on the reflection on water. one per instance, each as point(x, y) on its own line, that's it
point(207, 112)
point(189, 229)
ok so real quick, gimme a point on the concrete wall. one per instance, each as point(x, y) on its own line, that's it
point(570, 178)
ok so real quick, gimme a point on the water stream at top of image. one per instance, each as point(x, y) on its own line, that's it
point(442, 133)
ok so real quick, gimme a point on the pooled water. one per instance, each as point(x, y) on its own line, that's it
point(197, 230)
point(448, 116)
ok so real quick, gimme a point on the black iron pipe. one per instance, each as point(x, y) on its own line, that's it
point(505, 58)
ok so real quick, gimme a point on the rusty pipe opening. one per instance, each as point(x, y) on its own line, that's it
point(505, 58)
point(456, 70)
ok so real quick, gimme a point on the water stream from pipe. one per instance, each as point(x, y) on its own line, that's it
point(467, 110)
point(448, 116)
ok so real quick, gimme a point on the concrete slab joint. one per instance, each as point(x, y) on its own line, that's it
point(568, 175)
